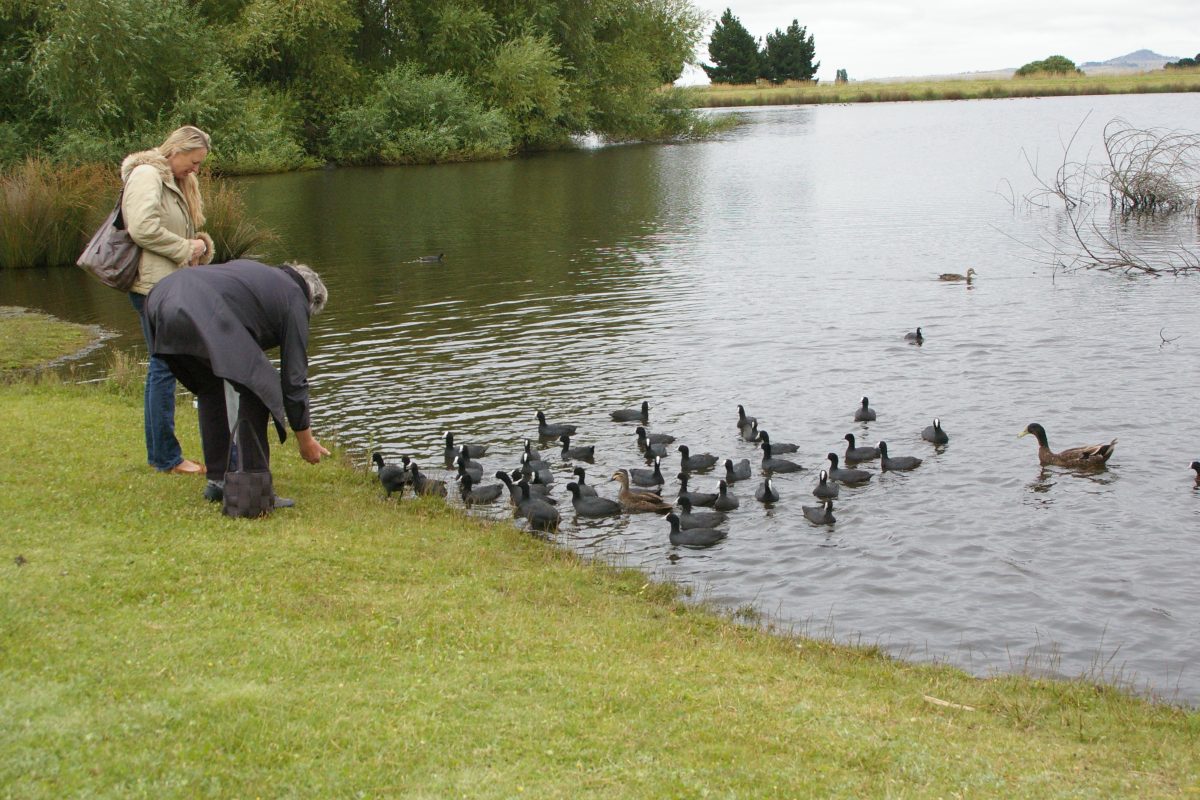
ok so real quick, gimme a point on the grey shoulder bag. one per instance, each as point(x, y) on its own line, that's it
point(111, 254)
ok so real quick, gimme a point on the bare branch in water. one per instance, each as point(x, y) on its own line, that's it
point(1144, 173)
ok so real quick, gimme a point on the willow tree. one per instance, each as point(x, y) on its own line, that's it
point(271, 79)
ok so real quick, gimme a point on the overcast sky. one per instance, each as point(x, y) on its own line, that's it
point(879, 39)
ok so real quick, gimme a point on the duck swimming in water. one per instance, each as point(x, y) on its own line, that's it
point(1091, 456)
point(954, 276)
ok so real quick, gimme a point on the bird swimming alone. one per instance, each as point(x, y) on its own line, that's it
point(548, 430)
point(914, 337)
point(954, 276)
point(744, 419)
point(934, 433)
point(633, 414)
point(1092, 456)
point(864, 413)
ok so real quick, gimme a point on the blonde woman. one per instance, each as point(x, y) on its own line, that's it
point(163, 212)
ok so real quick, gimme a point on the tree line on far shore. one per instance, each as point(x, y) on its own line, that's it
point(282, 85)
point(784, 55)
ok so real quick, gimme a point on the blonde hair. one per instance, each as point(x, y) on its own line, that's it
point(183, 140)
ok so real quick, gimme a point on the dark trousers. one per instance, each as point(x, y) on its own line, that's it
point(196, 374)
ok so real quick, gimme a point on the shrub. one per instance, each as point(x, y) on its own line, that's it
point(1052, 65)
point(411, 118)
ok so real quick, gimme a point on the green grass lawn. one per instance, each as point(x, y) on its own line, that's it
point(795, 93)
point(357, 647)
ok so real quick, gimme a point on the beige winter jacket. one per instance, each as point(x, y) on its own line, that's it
point(156, 216)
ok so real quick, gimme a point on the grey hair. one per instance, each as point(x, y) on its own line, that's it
point(317, 293)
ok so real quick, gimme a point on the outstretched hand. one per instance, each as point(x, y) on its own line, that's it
point(310, 449)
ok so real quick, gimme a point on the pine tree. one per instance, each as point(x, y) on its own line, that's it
point(733, 52)
point(789, 55)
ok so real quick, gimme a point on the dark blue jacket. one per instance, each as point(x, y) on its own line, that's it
point(227, 315)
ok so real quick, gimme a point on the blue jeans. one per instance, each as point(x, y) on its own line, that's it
point(162, 448)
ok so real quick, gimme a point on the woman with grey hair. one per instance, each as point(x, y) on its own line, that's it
point(163, 212)
point(212, 326)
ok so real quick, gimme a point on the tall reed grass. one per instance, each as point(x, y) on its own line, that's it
point(48, 211)
point(235, 235)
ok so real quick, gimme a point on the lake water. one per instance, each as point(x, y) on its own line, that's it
point(779, 266)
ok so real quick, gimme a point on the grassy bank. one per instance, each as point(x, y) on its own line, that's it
point(794, 93)
point(358, 647)
point(29, 339)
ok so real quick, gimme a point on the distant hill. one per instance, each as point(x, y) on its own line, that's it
point(1138, 60)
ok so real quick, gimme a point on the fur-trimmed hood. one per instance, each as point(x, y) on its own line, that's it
point(151, 157)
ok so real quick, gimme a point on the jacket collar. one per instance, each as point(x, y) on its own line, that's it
point(152, 158)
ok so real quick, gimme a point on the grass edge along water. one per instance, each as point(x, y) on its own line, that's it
point(152, 647)
point(966, 88)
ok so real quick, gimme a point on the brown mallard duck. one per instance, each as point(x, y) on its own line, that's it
point(1092, 456)
point(954, 276)
point(638, 500)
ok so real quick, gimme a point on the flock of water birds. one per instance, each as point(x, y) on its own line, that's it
point(696, 518)
point(529, 484)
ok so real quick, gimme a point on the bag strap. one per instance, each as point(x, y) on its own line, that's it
point(119, 219)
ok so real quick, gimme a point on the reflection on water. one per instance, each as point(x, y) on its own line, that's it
point(780, 267)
